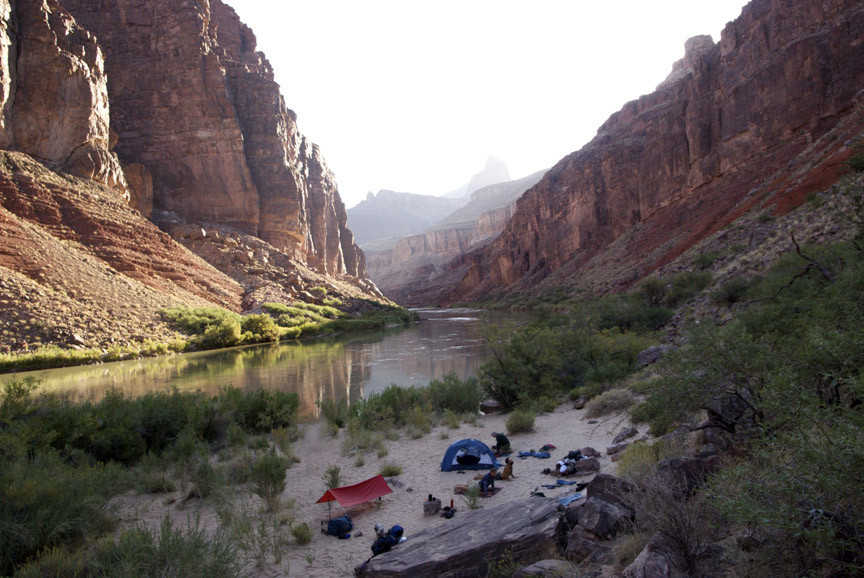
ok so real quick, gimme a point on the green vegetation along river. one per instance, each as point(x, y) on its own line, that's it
point(344, 366)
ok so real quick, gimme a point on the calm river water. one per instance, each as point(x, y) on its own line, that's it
point(345, 366)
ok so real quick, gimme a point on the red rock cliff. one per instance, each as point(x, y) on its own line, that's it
point(761, 117)
point(195, 103)
point(53, 92)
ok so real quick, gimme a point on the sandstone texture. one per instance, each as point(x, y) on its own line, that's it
point(197, 106)
point(758, 120)
point(469, 543)
point(53, 92)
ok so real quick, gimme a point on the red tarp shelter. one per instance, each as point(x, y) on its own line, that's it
point(354, 494)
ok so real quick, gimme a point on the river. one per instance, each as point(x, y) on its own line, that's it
point(338, 367)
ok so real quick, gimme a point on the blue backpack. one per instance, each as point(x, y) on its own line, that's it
point(339, 526)
point(388, 540)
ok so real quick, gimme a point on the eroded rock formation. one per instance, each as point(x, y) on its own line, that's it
point(53, 92)
point(197, 106)
point(761, 118)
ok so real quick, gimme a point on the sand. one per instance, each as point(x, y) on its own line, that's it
point(420, 459)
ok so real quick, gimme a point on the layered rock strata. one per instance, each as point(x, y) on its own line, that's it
point(197, 106)
point(761, 118)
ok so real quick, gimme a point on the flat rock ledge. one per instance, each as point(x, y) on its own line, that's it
point(466, 545)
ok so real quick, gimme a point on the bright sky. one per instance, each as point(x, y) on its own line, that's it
point(413, 95)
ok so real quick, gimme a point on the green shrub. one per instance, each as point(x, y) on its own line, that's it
point(731, 291)
point(685, 286)
point(706, 259)
point(225, 333)
point(262, 328)
point(207, 479)
point(268, 476)
point(335, 412)
point(302, 533)
point(169, 551)
point(520, 420)
point(608, 402)
point(46, 502)
point(390, 469)
point(637, 461)
point(332, 476)
point(454, 394)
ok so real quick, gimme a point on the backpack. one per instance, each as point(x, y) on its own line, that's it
point(387, 541)
point(339, 526)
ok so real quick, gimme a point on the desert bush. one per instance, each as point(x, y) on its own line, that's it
point(638, 461)
point(302, 533)
point(332, 476)
point(731, 291)
point(627, 547)
point(259, 328)
point(268, 476)
point(608, 402)
point(471, 498)
point(686, 285)
point(706, 259)
point(336, 412)
point(389, 469)
point(255, 535)
point(629, 313)
point(359, 439)
point(46, 502)
point(520, 420)
point(456, 395)
point(260, 410)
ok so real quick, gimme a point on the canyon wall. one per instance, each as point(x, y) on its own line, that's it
point(415, 263)
point(196, 105)
point(53, 92)
point(761, 118)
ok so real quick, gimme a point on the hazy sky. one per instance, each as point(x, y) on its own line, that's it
point(413, 95)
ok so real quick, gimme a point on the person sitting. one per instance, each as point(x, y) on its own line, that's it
point(487, 482)
point(502, 444)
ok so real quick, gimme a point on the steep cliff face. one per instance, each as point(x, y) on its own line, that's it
point(53, 92)
point(195, 104)
point(762, 117)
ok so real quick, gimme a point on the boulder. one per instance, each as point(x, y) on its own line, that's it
point(656, 560)
point(466, 545)
point(586, 466)
point(604, 519)
point(651, 355)
point(589, 452)
point(490, 406)
point(684, 474)
point(625, 434)
point(616, 448)
point(551, 568)
point(581, 543)
point(609, 489)
point(580, 402)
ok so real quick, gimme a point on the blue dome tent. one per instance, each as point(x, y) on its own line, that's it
point(469, 454)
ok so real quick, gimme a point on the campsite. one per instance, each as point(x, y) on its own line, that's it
point(420, 459)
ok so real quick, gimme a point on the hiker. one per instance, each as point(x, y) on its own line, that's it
point(502, 444)
point(487, 482)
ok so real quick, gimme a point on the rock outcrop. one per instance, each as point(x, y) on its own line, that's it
point(468, 544)
point(53, 92)
point(760, 119)
point(197, 106)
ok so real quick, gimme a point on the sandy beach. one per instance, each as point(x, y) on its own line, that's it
point(420, 459)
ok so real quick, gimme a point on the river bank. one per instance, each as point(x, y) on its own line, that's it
point(419, 459)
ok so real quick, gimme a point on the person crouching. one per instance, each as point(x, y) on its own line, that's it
point(487, 482)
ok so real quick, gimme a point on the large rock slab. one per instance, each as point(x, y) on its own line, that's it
point(466, 545)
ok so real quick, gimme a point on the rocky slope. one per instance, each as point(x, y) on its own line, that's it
point(204, 146)
point(416, 261)
point(760, 119)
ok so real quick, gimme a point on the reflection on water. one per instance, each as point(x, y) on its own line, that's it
point(338, 367)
